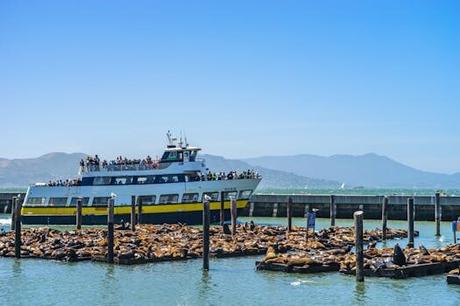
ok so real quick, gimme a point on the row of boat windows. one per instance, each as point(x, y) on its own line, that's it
point(144, 199)
point(130, 180)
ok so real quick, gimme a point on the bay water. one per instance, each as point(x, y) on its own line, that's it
point(230, 281)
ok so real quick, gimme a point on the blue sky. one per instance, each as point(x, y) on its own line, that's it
point(240, 78)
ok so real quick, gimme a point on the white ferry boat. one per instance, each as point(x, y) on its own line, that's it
point(170, 190)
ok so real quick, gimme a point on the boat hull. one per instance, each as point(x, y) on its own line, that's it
point(189, 213)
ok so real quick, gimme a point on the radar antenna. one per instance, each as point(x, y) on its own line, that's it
point(169, 135)
point(171, 140)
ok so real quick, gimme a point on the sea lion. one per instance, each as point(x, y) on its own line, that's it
point(226, 229)
point(398, 256)
point(424, 250)
point(371, 245)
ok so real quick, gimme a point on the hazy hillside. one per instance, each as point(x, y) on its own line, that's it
point(22, 172)
point(297, 171)
point(367, 170)
point(271, 178)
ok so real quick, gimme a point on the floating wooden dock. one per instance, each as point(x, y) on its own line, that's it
point(306, 269)
point(417, 270)
point(453, 279)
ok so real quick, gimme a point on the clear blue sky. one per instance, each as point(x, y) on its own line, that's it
point(242, 79)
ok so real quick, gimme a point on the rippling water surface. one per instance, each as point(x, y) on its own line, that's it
point(230, 281)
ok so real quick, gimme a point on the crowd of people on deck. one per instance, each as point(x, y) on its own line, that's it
point(122, 163)
point(232, 175)
point(67, 183)
point(95, 164)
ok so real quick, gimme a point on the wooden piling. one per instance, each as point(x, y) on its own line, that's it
point(13, 213)
point(306, 210)
point(358, 218)
point(289, 214)
point(17, 228)
point(455, 234)
point(78, 216)
point(222, 207)
point(410, 221)
point(332, 210)
point(206, 220)
point(234, 214)
point(110, 233)
point(384, 217)
point(133, 213)
point(437, 212)
point(139, 210)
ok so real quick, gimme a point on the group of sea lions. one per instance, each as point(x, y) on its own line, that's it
point(374, 259)
point(151, 243)
point(334, 245)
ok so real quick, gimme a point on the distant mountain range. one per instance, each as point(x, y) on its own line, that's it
point(297, 171)
point(52, 166)
point(23, 172)
point(271, 178)
point(370, 170)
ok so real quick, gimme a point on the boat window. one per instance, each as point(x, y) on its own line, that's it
point(84, 201)
point(245, 194)
point(124, 180)
point(193, 155)
point(101, 201)
point(162, 179)
point(87, 181)
point(172, 156)
point(173, 179)
point(227, 195)
point(35, 201)
point(57, 201)
point(142, 180)
point(192, 178)
point(147, 199)
point(213, 195)
point(169, 198)
point(102, 180)
point(190, 197)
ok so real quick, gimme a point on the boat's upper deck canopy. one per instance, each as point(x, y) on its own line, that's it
point(176, 152)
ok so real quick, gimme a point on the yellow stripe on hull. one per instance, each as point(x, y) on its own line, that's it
point(126, 210)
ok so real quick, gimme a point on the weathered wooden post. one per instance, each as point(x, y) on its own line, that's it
point(133, 213)
point(17, 228)
point(384, 217)
point(306, 210)
point(454, 231)
point(437, 212)
point(206, 221)
point(234, 214)
point(289, 214)
point(358, 218)
point(222, 207)
point(78, 214)
point(139, 210)
point(110, 233)
point(13, 213)
point(410, 220)
point(332, 210)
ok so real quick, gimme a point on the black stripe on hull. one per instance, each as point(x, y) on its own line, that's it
point(190, 218)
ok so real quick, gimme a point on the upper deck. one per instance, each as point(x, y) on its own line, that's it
point(178, 164)
point(177, 157)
